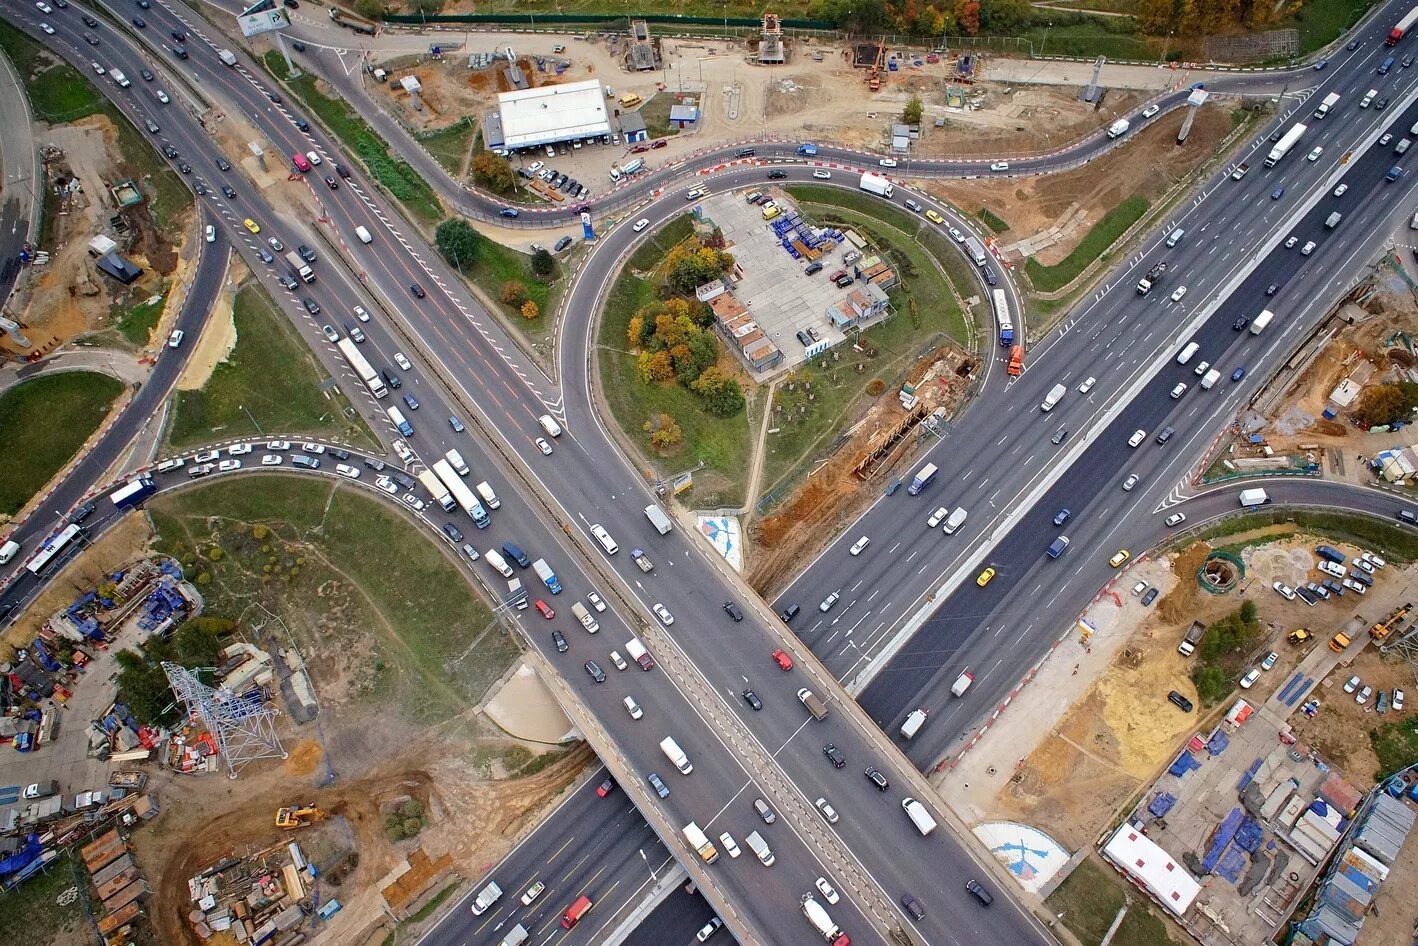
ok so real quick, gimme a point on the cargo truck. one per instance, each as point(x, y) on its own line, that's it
point(1145, 284)
point(641, 562)
point(878, 185)
point(300, 267)
point(362, 367)
point(584, 615)
point(461, 494)
point(1254, 497)
point(639, 654)
point(1051, 399)
point(922, 479)
point(1118, 128)
point(807, 150)
point(819, 920)
point(814, 704)
point(1016, 361)
point(962, 683)
point(1283, 146)
point(760, 848)
point(658, 519)
point(976, 250)
point(131, 494)
point(1259, 323)
point(1330, 101)
point(547, 576)
point(1332, 220)
point(227, 56)
point(436, 489)
point(1209, 379)
point(700, 843)
point(516, 594)
point(676, 755)
point(1402, 27)
point(117, 76)
point(351, 22)
point(1193, 637)
point(919, 816)
point(486, 897)
point(914, 721)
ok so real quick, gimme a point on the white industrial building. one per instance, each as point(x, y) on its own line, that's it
point(553, 113)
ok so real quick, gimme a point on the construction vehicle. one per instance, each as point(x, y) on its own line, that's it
point(1389, 624)
point(297, 817)
point(1145, 284)
point(1299, 635)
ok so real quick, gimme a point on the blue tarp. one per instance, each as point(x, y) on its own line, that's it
point(1221, 838)
point(21, 858)
point(1218, 743)
point(1249, 835)
point(1185, 763)
point(1162, 804)
point(1251, 771)
point(1232, 865)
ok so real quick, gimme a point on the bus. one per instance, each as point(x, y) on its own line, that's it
point(362, 367)
point(51, 549)
point(1006, 324)
point(132, 493)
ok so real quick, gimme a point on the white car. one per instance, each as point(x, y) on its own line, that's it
point(641, 224)
point(1290, 243)
point(100, 70)
point(533, 892)
point(226, 466)
point(859, 545)
point(1000, 166)
point(207, 457)
point(1202, 368)
point(175, 339)
point(1139, 588)
point(829, 893)
point(44, 7)
point(413, 501)
point(47, 28)
point(604, 537)
point(618, 660)
point(663, 613)
point(708, 930)
point(1176, 519)
point(272, 459)
point(1351, 684)
point(1087, 385)
point(313, 157)
point(238, 449)
point(403, 362)
point(1138, 436)
point(1130, 482)
point(887, 162)
point(1308, 248)
point(633, 708)
point(386, 484)
point(1177, 295)
point(822, 175)
point(278, 445)
point(1363, 695)
point(1250, 678)
point(1341, 190)
point(211, 233)
point(313, 448)
point(162, 96)
point(535, 166)
point(937, 517)
point(828, 812)
point(731, 847)
point(347, 471)
point(1315, 154)
point(1397, 700)
point(1269, 660)
point(1284, 590)
point(361, 313)
point(544, 447)
point(1151, 110)
point(695, 194)
point(596, 601)
point(1179, 390)
point(829, 601)
point(1373, 559)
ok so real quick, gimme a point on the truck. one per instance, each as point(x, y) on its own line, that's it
point(131, 494)
point(436, 489)
point(814, 704)
point(489, 497)
point(1016, 361)
point(1368, 98)
point(1339, 642)
point(807, 150)
point(516, 594)
point(1240, 171)
point(398, 419)
point(876, 184)
point(1051, 399)
point(588, 621)
point(361, 366)
point(639, 654)
point(299, 267)
point(1299, 635)
point(227, 56)
point(1283, 146)
point(1208, 380)
point(697, 840)
point(117, 76)
point(1145, 284)
point(760, 848)
point(1259, 323)
point(1118, 128)
point(1388, 625)
point(1332, 220)
point(1254, 497)
point(1330, 101)
point(922, 479)
point(658, 519)
point(919, 816)
point(1403, 26)
point(1193, 637)
point(461, 494)
point(962, 683)
point(41, 789)
point(817, 916)
point(630, 167)
point(456, 461)
point(547, 576)
point(351, 22)
point(676, 755)
point(976, 250)
point(641, 562)
point(517, 937)
point(486, 897)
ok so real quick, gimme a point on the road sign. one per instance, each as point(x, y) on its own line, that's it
point(266, 21)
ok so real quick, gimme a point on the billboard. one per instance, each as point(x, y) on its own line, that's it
point(266, 21)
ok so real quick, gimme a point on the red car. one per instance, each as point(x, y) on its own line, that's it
point(639, 149)
point(659, 144)
point(782, 660)
point(546, 610)
point(605, 788)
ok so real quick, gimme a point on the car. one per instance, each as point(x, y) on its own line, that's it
point(139, 22)
point(859, 545)
point(765, 811)
point(660, 143)
point(47, 28)
point(1341, 190)
point(91, 39)
point(1149, 597)
point(184, 167)
point(632, 707)
point(1130, 482)
point(276, 244)
point(151, 125)
point(1181, 702)
point(661, 789)
point(543, 446)
point(544, 609)
point(731, 847)
point(934, 216)
point(1151, 110)
point(751, 698)
point(1270, 290)
point(733, 611)
point(877, 779)
point(1062, 516)
point(696, 193)
point(1351, 685)
point(98, 70)
point(1120, 556)
point(1137, 437)
point(1320, 64)
point(1384, 140)
point(559, 640)
point(1308, 248)
point(289, 281)
point(402, 361)
point(774, 175)
point(329, 330)
point(386, 484)
point(985, 577)
point(977, 890)
point(1269, 660)
point(834, 755)
point(999, 166)
point(1397, 693)
point(449, 529)
point(175, 339)
point(663, 613)
point(1177, 295)
point(712, 927)
point(1315, 154)
point(534, 891)
point(44, 7)
point(893, 486)
point(509, 212)
point(1379, 106)
point(1166, 434)
point(791, 611)
point(1179, 390)
point(1284, 590)
point(596, 673)
point(822, 175)
point(1250, 678)
point(162, 96)
point(411, 401)
point(1087, 385)
point(1059, 436)
point(1239, 373)
point(1363, 695)
point(226, 466)
point(1278, 193)
point(914, 907)
point(937, 517)
point(418, 292)
point(596, 601)
point(827, 603)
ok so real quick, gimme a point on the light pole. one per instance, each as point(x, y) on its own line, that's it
point(647, 864)
point(252, 419)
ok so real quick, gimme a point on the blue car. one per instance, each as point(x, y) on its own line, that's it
point(1239, 373)
point(409, 400)
point(1062, 516)
point(1321, 64)
point(509, 211)
point(1278, 193)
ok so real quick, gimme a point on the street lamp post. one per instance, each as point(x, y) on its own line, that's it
point(647, 864)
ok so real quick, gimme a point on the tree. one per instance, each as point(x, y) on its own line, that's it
point(494, 173)
point(722, 395)
point(664, 431)
point(530, 310)
point(425, 6)
point(457, 241)
point(1005, 17)
point(695, 356)
point(1157, 16)
point(634, 331)
point(911, 114)
point(1380, 404)
point(967, 14)
point(513, 292)
point(655, 367)
point(543, 265)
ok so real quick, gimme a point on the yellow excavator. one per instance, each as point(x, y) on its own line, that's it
point(297, 817)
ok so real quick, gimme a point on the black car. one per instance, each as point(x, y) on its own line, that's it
point(813, 268)
point(89, 21)
point(306, 253)
point(302, 124)
point(274, 97)
point(1166, 434)
point(179, 51)
point(1381, 104)
point(402, 478)
point(311, 306)
point(91, 39)
point(82, 513)
point(140, 23)
point(790, 612)
point(877, 779)
point(733, 611)
point(979, 892)
point(179, 36)
point(184, 167)
point(990, 276)
point(152, 126)
point(289, 281)
point(147, 76)
point(341, 170)
point(1149, 597)
point(562, 244)
point(1240, 323)
point(1353, 45)
point(1181, 702)
point(777, 174)
point(559, 640)
point(223, 164)
point(752, 699)
point(374, 464)
point(418, 292)
point(338, 454)
point(834, 755)
point(1409, 516)
point(391, 379)
point(594, 669)
point(1061, 436)
point(450, 530)
point(200, 188)
point(914, 907)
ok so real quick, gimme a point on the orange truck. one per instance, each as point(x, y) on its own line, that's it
point(1016, 361)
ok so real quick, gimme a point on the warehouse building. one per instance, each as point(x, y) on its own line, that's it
point(550, 114)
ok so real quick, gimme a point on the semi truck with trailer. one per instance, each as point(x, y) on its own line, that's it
point(461, 494)
point(701, 844)
point(547, 576)
point(362, 367)
point(352, 22)
point(1285, 144)
point(300, 267)
point(878, 185)
point(1401, 27)
point(436, 489)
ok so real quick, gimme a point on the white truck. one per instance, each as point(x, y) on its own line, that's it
point(364, 235)
point(486, 897)
point(697, 840)
point(362, 367)
point(547, 576)
point(1283, 146)
point(300, 267)
point(227, 56)
point(962, 683)
point(436, 489)
point(461, 494)
point(588, 621)
point(1051, 399)
point(919, 816)
point(676, 755)
point(639, 654)
point(658, 519)
point(914, 721)
point(760, 848)
point(1259, 323)
point(878, 185)
point(1209, 379)
point(117, 76)
point(489, 497)
point(1192, 637)
point(1330, 101)
point(516, 594)
point(1118, 128)
point(1251, 498)
point(817, 916)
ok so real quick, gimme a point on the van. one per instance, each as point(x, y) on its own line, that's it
point(516, 594)
point(919, 816)
point(584, 616)
point(498, 563)
point(8, 550)
point(956, 520)
point(516, 554)
point(604, 537)
point(550, 425)
point(1058, 546)
point(1176, 236)
point(401, 422)
point(300, 162)
point(364, 235)
point(772, 213)
point(517, 937)
point(630, 100)
point(489, 497)
point(1385, 66)
point(1187, 352)
point(760, 847)
point(579, 908)
point(455, 460)
point(676, 755)
point(1402, 146)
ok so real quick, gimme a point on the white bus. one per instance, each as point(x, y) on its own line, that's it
point(51, 549)
point(362, 367)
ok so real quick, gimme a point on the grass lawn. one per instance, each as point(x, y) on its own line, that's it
point(36, 911)
point(397, 177)
point(496, 264)
point(349, 575)
point(1396, 745)
point(1090, 39)
point(1100, 238)
point(796, 9)
point(1090, 899)
point(449, 146)
point(57, 91)
point(992, 221)
point(136, 323)
point(1320, 21)
point(43, 423)
point(656, 112)
point(722, 443)
point(271, 379)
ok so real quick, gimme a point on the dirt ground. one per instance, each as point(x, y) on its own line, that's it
point(218, 338)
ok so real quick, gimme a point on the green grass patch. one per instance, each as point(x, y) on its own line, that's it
point(167, 195)
point(1100, 36)
point(496, 264)
point(436, 901)
point(992, 221)
point(1396, 745)
point(1398, 543)
point(137, 321)
point(43, 423)
point(1321, 21)
point(37, 912)
point(375, 604)
point(449, 146)
point(57, 91)
point(656, 113)
point(270, 383)
point(1098, 241)
point(1089, 899)
point(400, 179)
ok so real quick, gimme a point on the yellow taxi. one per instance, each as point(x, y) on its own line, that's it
point(985, 577)
point(934, 217)
point(1120, 556)
point(251, 225)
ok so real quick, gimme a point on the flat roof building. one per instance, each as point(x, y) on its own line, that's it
point(553, 113)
